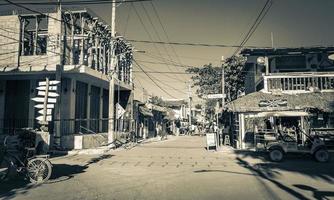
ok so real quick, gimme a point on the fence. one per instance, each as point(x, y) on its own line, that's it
point(10, 126)
point(299, 82)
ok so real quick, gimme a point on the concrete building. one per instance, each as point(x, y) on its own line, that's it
point(73, 47)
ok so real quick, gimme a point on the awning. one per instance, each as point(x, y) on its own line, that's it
point(145, 111)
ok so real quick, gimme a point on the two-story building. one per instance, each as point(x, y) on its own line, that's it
point(288, 89)
point(74, 47)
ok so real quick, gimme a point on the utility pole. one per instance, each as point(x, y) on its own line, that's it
point(111, 134)
point(223, 82)
point(189, 93)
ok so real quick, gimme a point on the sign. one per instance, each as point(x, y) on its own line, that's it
point(211, 140)
point(52, 88)
point(48, 118)
point(42, 83)
point(119, 111)
point(273, 103)
point(48, 111)
point(50, 94)
point(216, 96)
point(42, 106)
point(41, 100)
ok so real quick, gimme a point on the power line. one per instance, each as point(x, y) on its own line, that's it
point(165, 31)
point(54, 18)
point(256, 23)
point(162, 89)
point(167, 75)
point(79, 2)
point(191, 44)
point(161, 63)
point(149, 35)
point(164, 46)
point(169, 86)
point(127, 20)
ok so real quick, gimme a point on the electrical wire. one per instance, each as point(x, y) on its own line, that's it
point(254, 26)
point(165, 31)
point(150, 36)
point(192, 44)
point(162, 89)
point(158, 36)
point(79, 2)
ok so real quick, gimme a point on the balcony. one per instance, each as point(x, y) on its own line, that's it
point(299, 82)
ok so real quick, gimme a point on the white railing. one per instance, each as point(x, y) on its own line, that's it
point(299, 82)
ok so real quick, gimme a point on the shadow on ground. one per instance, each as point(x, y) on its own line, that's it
point(271, 171)
point(18, 185)
point(301, 164)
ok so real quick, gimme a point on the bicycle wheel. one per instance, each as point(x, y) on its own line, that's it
point(4, 169)
point(39, 170)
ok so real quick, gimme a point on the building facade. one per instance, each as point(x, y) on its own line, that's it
point(289, 90)
point(73, 47)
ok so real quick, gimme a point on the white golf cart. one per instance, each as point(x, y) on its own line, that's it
point(287, 144)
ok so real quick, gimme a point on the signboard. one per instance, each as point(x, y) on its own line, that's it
point(46, 100)
point(50, 94)
point(48, 118)
point(42, 106)
point(48, 111)
point(273, 103)
point(216, 96)
point(41, 83)
point(52, 88)
point(41, 100)
point(211, 140)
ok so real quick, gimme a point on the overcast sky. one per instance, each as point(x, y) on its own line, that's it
point(294, 23)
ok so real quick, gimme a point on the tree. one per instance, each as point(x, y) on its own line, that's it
point(234, 77)
point(207, 80)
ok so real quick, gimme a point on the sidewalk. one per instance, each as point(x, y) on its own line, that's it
point(106, 149)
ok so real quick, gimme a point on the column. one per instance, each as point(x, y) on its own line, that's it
point(31, 115)
point(2, 103)
point(89, 87)
point(101, 110)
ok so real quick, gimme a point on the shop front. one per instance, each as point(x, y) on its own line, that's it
point(259, 118)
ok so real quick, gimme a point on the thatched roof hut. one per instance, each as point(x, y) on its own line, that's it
point(261, 102)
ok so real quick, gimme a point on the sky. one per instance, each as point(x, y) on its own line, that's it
point(294, 23)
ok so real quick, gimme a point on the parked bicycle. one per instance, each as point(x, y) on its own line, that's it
point(36, 168)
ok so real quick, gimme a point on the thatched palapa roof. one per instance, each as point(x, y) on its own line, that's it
point(254, 102)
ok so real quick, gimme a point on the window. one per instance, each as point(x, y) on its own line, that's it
point(34, 35)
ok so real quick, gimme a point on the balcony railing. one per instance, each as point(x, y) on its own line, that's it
point(299, 82)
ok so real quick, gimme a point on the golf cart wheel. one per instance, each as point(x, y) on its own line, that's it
point(321, 155)
point(276, 155)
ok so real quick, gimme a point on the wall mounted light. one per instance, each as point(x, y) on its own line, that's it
point(260, 60)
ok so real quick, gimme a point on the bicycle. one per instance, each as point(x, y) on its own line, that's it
point(37, 168)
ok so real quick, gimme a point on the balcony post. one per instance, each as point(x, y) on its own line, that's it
point(265, 83)
point(266, 65)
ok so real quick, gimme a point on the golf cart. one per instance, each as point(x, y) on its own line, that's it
point(287, 144)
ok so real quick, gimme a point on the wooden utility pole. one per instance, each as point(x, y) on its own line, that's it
point(190, 105)
point(111, 134)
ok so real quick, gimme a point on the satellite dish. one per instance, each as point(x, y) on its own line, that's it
point(331, 57)
point(260, 60)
